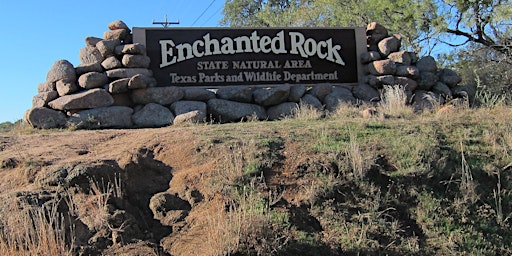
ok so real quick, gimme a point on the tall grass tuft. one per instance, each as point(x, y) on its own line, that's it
point(27, 230)
point(394, 102)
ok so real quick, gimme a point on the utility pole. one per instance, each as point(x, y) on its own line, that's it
point(166, 23)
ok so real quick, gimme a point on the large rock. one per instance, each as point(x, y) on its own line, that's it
point(92, 41)
point(375, 33)
point(296, 92)
point(198, 94)
point(118, 24)
point(45, 118)
point(107, 47)
point(282, 110)
point(271, 96)
point(135, 61)
point(442, 89)
point(41, 99)
point(366, 93)
point(66, 87)
point(185, 106)
point(120, 34)
point(240, 94)
point(135, 49)
point(231, 111)
point(425, 100)
point(118, 86)
point(407, 83)
point(160, 95)
point(153, 115)
point(127, 72)
point(46, 87)
point(103, 117)
point(92, 80)
point(93, 98)
point(427, 64)
point(320, 91)
point(311, 101)
point(190, 117)
point(141, 82)
point(86, 68)
point(449, 77)
point(370, 56)
point(90, 55)
point(408, 71)
point(427, 80)
point(389, 45)
point(382, 67)
point(111, 63)
point(338, 95)
point(61, 70)
point(402, 57)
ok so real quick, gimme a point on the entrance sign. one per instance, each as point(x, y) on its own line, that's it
point(215, 57)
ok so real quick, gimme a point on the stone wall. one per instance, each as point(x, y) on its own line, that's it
point(112, 87)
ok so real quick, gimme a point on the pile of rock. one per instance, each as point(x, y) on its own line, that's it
point(387, 65)
point(113, 88)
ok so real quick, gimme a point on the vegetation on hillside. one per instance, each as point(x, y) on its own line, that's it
point(397, 183)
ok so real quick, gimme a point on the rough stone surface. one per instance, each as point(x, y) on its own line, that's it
point(427, 80)
point(384, 80)
point(90, 55)
point(61, 70)
point(282, 110)
point(240, 94)
point(198, 94)
point(402, 57)
point(160, 95)
point(407, 83)
point(185, 106)
point(296, 92)
point(190, 117)
point(118, 24)
point(408, 71)
point(111, 63)
point(338, 95)
point(46, 87)
point(320, 91)
point(127, 72)
point(120, 34)
point(442, 89)
point(66, 87)
point(382, 67)
point(135, 61)
point(153, 115)
point(389, 45)
point(122, 99)
point(141, 82)
point(427, 64)
point(366, 93)
point(45, 118)
point(231, 111)
point(92, 41)
point(118, 86)
point(103, 117)
point(106, 47)
point(41, 99)
point(466, 92)
point(449, 77)
point(94, 98)
point(375, 33)
point(92, 80)
point(311, 101)
point(86, 68)
point(271, 96)
point(370, 56)
point(425, 100)
point(135, 49)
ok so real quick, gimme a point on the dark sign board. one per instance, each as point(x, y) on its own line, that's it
point(216, 57)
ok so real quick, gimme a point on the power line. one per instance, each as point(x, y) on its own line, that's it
point(203, 12)
point(217, 11)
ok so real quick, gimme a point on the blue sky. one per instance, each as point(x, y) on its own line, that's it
point(35, 34)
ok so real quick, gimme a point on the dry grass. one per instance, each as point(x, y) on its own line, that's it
point(27, 230)
point(394, 102)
